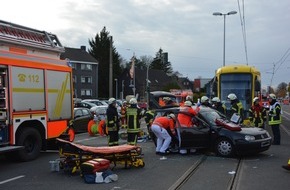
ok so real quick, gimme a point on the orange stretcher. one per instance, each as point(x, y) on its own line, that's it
point(72, 155)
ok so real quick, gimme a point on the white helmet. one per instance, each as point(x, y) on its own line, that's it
point(255, 99)
point(188, 98)
point(215, 99)
point(232, 96)
point(166, 99)
point(272, 96)
point(187, 103)
point(133, 101)
point(172, 116)
point(112, 101)
point(204, 99)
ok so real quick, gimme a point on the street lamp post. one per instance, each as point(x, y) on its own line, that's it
point(147, 87)
point(221, 14)
point(122, 93)
point(116, 80)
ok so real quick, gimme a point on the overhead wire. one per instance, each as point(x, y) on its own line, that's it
point(283, 59)
point(243, 25)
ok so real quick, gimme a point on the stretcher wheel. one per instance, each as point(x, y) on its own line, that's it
point(139, 163)
point(142, 164)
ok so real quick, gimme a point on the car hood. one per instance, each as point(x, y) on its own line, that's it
point(252, 131)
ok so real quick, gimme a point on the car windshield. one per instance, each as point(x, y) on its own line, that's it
point(210, 116)
point(240, 85)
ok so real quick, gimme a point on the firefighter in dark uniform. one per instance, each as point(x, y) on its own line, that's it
point(275, 118)
point(218, 105)
point(257, 114)
point(149, 117)
point(113, 123)
point(133, 121)
point(236, 107)
point(205, 101)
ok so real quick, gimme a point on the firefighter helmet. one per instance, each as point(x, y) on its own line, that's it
point(187, 103)
point(112, 101)
point(272, 96)
point(172, 116)
point(133, 101)
point(189, 98)
point(255, 99)
point(215, 99)
point(204, 99)
point(232, 96)
point(166, 99)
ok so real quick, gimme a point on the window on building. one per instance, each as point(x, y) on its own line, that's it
point(86, 66)
point(86, 92)
point(86, 79)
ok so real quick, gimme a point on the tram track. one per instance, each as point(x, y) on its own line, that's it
point(233, 181)
point(184, 178)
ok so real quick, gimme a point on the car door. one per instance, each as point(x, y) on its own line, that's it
point(81, 120)
point(195, 137)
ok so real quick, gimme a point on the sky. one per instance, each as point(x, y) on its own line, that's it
point(186, 29)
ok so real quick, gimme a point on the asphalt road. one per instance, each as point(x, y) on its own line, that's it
point(262, 171)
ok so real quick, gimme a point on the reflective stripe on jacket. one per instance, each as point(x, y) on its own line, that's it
point(257, 115)
point(238, 108)
point(275, 116)
point(133, 116)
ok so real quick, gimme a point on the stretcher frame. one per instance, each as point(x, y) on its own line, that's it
point(72, 155)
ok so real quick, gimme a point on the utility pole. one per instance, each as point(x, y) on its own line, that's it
point(111, 69)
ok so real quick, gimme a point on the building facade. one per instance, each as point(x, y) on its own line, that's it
point(85, 72)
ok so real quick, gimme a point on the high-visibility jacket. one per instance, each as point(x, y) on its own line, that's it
point(257, 115)
point(275, 116)
point(148, 117)
point(185, 116)
point(220, 107)
point(166, 123)
point(133, 117)
point(237, 107)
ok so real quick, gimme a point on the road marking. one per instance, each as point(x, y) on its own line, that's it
point(11, 179)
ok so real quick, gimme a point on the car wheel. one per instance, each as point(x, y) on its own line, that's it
point(224, 147)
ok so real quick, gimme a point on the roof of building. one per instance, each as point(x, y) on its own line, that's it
point(156, 77)
point(78, 55)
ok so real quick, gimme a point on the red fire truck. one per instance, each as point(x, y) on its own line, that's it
point(36, 102)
